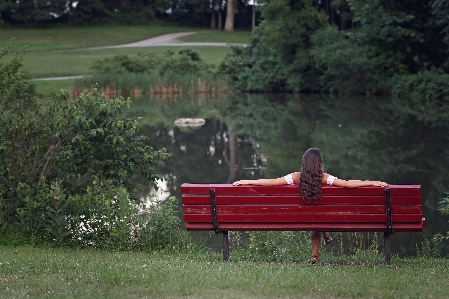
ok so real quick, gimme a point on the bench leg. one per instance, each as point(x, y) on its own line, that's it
point(225, 246)
point(387, 251)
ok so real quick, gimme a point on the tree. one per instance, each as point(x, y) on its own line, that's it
point(440, 9)
point(81, 144)
point(230, 15)
point(34, 11)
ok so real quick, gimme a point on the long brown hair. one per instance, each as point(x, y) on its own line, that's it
point(311, 175)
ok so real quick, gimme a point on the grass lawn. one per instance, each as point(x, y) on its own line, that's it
point(59, 52)
point(64, 38)
point(239, 37)
point(27, 272)
point(70, 63)
point(50, 87)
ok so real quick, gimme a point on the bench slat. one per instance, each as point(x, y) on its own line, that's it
point(323, 218)
point(295, 200)
point(331, 227)
point(396, 190)
point(300, 209)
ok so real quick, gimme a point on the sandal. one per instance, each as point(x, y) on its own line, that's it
point(314, 259)
point(327, 240)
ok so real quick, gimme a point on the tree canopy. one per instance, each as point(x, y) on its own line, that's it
point(355, 46)
point(186, 12)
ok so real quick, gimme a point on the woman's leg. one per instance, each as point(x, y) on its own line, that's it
point(327, 238)
point(315, 238)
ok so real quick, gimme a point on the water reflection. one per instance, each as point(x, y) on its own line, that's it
point(255, 136)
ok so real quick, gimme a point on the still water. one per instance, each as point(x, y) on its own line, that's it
point(256, 136)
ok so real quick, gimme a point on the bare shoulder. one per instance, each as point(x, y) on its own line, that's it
point(324, 178)
point(296, 176)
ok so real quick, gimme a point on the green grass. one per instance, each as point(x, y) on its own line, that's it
point(70, 63)
point(56, 52)
point(64, 38)
point(239, 37)
point(27, 272)
point(47, 88)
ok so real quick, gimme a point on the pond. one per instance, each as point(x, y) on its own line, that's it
point(256, 136)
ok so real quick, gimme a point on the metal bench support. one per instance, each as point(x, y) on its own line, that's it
point(225, 246)
point(389, 231)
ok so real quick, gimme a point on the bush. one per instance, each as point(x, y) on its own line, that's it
point(123, 64)
point(255, 68)
point(271, 246)
point(424, 96)
point(343, 65)
point(58, 156)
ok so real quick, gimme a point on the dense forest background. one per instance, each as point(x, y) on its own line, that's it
point(208, 13)
point(332, 46)
point(347, 46)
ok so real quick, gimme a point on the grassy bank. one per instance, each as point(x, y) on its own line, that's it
point(65, 273)
point(69, 38)
point(61, 51)
point(57, 52)
point(72, 63)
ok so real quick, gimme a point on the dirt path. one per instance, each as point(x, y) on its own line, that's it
point(158, 41)
point(165, 40)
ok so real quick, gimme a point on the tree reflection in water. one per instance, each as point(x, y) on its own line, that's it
point(255, 136)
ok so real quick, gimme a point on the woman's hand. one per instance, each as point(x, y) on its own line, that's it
point(379, 184)
point(241, 182)
point(262, 182)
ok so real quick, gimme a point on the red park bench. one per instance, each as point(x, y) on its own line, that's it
point(224, 207)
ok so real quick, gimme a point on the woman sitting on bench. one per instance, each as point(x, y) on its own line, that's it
point(310, 179)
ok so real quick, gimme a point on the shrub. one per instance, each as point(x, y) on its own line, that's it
point(424, 96)
point(272, 246)
point(79, 147)
point(123, 64)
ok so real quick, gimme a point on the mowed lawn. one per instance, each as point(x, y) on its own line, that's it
point(27, 272)
point(63, 51)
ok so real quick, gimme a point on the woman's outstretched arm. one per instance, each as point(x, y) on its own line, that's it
point(262, 182)
point(357, 183)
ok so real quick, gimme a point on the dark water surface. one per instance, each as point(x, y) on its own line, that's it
point(257, 136)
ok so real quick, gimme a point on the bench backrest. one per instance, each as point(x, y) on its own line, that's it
point(248, 208)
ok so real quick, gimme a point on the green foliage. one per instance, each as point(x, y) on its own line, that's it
point(431, 248)
point(179, 72)
point(254, 68)
point(82, 12)
point(160, 228)
point(279, 57)
point(290, 35)
point(444, 205)
point(295, 50)
point(182, 63)
point(57, 214)
point(55, 157)
point(12, 84)
point(424, 96)
point(440, 9)
point(103, 144)
point(106, 217)
point(444, 208)
point(344, 66)
point(279, 246)
point(123, 64)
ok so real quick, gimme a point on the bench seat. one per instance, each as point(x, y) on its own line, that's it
point(224, 207)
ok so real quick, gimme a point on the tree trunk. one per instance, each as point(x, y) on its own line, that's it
point(213, 20)
point(253, 17)
point(230, 14)
point(220, 20)
point(343, 17)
